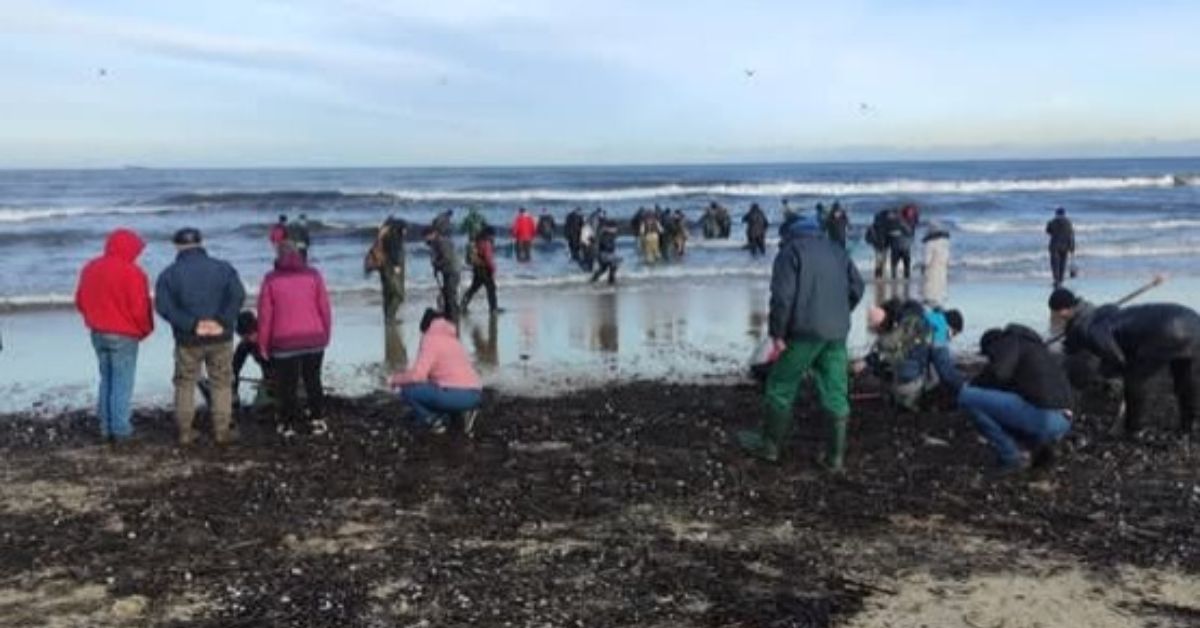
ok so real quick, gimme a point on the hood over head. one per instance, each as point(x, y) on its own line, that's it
point(124, 244)
point(289, 259)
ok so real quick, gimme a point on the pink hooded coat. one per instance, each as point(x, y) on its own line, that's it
point(442, 360)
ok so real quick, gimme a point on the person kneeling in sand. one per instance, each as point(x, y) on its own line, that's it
point(912, 351)
point(442, 382)
point(1021, 396)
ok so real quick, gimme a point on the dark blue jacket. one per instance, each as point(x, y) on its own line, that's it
point(197, 287)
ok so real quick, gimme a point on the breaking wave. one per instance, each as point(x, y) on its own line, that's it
point(897, 187)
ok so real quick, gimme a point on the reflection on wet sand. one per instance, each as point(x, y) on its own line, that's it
point(486, 342)
point(606, 329)
point(894, 289)
point(395, 354)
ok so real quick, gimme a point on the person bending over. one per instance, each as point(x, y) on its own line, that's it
point(1136, 343)
point(1021, 397)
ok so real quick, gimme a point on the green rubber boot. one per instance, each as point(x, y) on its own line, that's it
point(835, 455)
point(766, 442)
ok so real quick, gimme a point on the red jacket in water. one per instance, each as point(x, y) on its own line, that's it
point(113, 293)
point(524, 228)
point(293, 308)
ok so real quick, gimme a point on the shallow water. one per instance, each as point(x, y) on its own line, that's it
point(547, 341)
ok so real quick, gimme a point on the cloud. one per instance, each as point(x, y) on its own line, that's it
point(289, 55)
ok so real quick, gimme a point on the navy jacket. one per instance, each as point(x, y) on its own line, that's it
point(196, 287)
point(814, 286)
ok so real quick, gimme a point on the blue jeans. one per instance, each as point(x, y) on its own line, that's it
point(428, 400)
point(117, 356)
point(1004, 417)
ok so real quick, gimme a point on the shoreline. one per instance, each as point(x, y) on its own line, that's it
point(548, 342)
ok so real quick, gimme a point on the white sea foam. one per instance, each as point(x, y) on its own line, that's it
point(1008, 226)
point(15, 215)
point(895, 187)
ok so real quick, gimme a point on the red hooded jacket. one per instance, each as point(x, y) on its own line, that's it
point(113, 293)
point(293, 308)
point(524, 228)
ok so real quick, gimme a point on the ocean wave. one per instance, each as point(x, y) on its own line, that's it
point(1097, 252)
point(32, 214)
point(896, 187)
point(1003, 226)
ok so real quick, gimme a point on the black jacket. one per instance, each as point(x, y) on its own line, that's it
point(444, 262)
point(197, 287)
point(1062, 234)
point(1138, 336)
point(756, 223)
point(1019, 362)
point(814, 286)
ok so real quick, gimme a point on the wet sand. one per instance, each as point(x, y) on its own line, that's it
point(548, 341)
point(615, 506)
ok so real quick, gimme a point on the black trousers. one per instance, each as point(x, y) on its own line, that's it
point(449, 296)
point(481, 278)
point(1183, 375)
point(288, 373)
point(606, 266)
point(901, 256)
point(758, 244)
point(1058, 264)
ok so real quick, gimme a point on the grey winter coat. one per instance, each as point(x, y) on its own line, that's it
point(814, 287)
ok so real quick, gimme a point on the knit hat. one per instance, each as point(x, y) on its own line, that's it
point(1062, 299)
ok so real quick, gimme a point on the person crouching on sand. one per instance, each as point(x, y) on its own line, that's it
point(442, 382)
point(114, 298)
point(1022, 396)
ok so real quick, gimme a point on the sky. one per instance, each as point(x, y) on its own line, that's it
point(235, 83)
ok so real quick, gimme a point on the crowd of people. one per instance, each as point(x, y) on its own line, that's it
point(1022, 400)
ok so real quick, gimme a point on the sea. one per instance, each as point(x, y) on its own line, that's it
point(1133, 217)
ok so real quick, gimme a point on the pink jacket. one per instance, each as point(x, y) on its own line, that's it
point(442, 360)
point(293, 308)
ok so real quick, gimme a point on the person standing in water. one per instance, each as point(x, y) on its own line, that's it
point(445, 270)
point(899, 238)
point(278, 232)
point(298, 235)
point(607, 253)
point(650, 233)
point(572, 229)
point(523, 232)
point(483, 270)
point(546, 227)
point(756, 230)
point(936, 265)
point(114, 298)
point(387, 257)
point(837, 224)
point(1062, 244)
